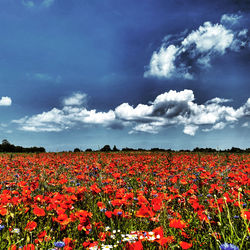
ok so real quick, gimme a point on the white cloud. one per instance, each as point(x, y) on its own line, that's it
point(190, 129)
point(245, 125)
point(218, 100)
point(148, 128)
point(217, 126)
point(208, 38)
point(182, 96)
point(5, 101)
point(70, 115)
point(47, 3)
point(196, 50)
point(76, 99)
point(103, 118)
point(43, 77)
point(230, 19)
point(28, 4)
point(32, 4)
point(127, 112)
point(162, 62)
point(171, 108)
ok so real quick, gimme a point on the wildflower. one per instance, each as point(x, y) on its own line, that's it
point(2, 227)
point(31, 225)
point(63, 219)
point(108, 214)
point(228, 246)
point(135, 246)
point(145, 212)
point(245, 214)
point(177, 224)
point(12, 247)
point(59, 244)
point(3, 211)
point(118, 212)
point(15, 231)
point(38, 211)
point(29, 247)
point(106, 247)
point(185, 245)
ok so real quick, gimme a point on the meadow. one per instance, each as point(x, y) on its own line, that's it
point(124, 200)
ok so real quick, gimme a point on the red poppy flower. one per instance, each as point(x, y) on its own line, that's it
point(175, 223)
point(63, 219)
point(38, 211)
point(31, 225)
point(29, 247)
point(12, 247)
point(185, 245)
point(3, 211)
point(135, 246)
point(145, 212)
point(108, 214)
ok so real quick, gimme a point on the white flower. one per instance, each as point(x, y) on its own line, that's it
point(107, 247)
point(16, 230)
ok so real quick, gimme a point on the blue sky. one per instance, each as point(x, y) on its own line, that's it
point(153, 73)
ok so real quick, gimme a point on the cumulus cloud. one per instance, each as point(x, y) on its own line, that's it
point(245, 125)
point(72, 113)
point(76, 99)
point(180, 58)
point(171, 108)
point(5, 101)
point(190, 129)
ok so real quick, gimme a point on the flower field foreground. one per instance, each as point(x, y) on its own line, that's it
point(139, 200)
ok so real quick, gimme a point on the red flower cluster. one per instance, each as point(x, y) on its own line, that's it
point(134, 200)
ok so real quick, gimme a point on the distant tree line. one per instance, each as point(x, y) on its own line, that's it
point(7, 147)
point(107, 148)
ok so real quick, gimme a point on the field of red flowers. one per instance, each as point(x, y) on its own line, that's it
point(139, 200)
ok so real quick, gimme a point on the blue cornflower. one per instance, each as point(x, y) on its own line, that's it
point(59, 244)
point(119, 213)
point(244, 205)
point(228, 246)
point(2, 227)
point(236, 216)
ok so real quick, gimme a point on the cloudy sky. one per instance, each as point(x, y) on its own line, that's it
point(153, 73)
